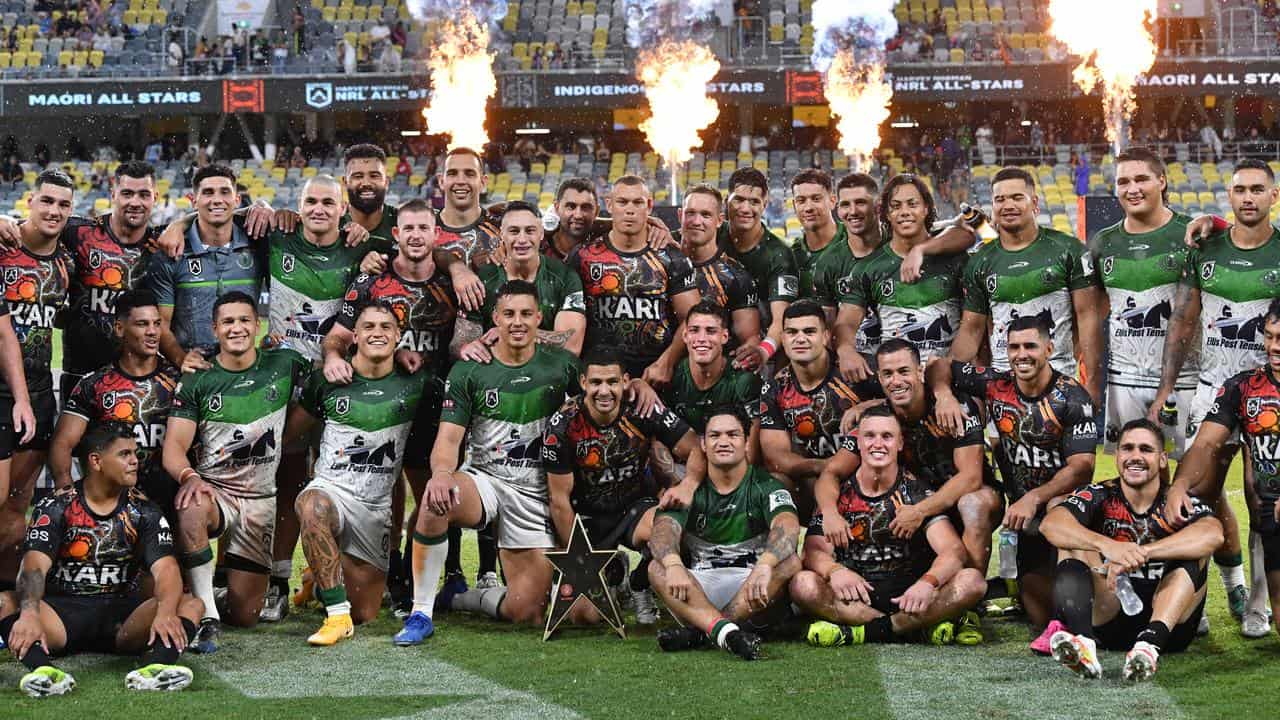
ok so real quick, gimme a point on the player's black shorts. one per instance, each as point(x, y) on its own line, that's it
point(1036, 556)
point(608, 531)
point(885, 589)
point(422, 434)
point(1264, 523)
point(45, 409)
point(1122, 631)
point(92, 622)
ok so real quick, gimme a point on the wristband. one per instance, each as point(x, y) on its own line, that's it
point(1219, 223)
point(182, 476)
point(671, 561)
point(769, 347)
point(929, 578)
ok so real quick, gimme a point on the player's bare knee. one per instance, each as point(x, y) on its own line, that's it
point(970, 585)
point(806, 587)
point(191, 608)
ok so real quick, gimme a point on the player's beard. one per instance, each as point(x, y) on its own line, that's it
point(370, 205)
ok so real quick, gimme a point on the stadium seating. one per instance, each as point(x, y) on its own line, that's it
point(1193, 187)
point(134, 42)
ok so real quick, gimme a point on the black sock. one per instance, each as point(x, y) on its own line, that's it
point(158, 653)
point(1157, 633)
point(640, 576)
point(1073, 595)
point(395, 568)
point(488, 547)
point(879, 630)
point(453, 561)
point(36, 655)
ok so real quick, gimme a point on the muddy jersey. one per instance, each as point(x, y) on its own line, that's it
point(1037, 434)
point(474, 243)
point(35, 290)
point(629, 297)
point(381, 238)
point(873, 551)
point(608, 462)
point(103, 267)
point(1250, 402)
point(366, 426)
point(1036, 280)
point(738, 388)
point(1140, 272)
point(559, 290)
point(505, 410)
point(1236, 286)
point(807, 259)
point(97, 555)
point(731, 530)
point(1103, 508)
point(307, 287)
point(926, 312)
point(811, 417)
point(239, 418)
point(142, 403)
point(772, 267)
point(426, 311)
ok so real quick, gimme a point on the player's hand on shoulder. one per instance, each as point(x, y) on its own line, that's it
point(659, 236)
point(356, 234)
point(172, 241)
point(1197, 230)
point(10, 234)
point(853, 367)
point(373, 263)
point(912, 265)
point(680, 496)
point(285, 220)
point(410, 360)
point(644, 399)
point(337, 370)
point(467, 286)
point(906, 520)
point(848, 586)
point(258, 219)
point(949, 413)
point(194, 360)
point(748, 357)
point(658, 373)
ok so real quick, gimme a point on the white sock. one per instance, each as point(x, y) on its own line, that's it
point(342, 608)
point(481, 600)
point(1258, 592)
point(724, 633)
point(1232, 577)
point(282, 569)
point(202, 587)
point(428, 566)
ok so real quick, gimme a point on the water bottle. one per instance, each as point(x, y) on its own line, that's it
point(1009, 554)
point(1169, 421)
point(1129, 600)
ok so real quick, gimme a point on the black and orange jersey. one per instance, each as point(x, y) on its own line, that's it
point(725, 281)
point(811, 417)
point(426, 311)
point(1037, 434)
point(608, 462)
point(873, 551)
point(629, 298)
point(35, 289)
point(112, 395)
point(103, 268)
point(474, 243)
point(94, 554)
point(929, 451)
point(1250, 402)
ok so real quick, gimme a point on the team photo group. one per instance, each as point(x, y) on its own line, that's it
point(885, 432)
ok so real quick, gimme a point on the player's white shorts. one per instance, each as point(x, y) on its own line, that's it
point(721, 585)
point(523, 516)
point(364, 531)
point(248, 527)
point(1130, 403)
point(1200, 406)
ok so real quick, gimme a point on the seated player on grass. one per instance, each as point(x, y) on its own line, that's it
point(1124, 523)
point(866, 583)
point(345, 511)
point(739, 537)
point(77, 589)
point(596, 451)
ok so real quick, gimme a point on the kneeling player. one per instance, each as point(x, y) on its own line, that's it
point(739, 536)
point(1123, 522)
point(596, 452)
point(345, 511)
point(90, 541)
point(868, 584)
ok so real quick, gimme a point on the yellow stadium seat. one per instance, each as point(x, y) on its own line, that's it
point(573, 8)
point(65, 58)
point(6, 60)
point(317, 4)
point(344, 14)
point(159, 17)
point(416, 180)
point(130, 17)
point(329, 14)
point(957, 56)
point(81, 58)
point(95, 58)
point(359, 13)
point(589, 7)
point(101, 205)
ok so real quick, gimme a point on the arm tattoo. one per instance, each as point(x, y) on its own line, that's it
point(664, 465)
point(781, 542)
point(664, 539)
point(464, 331)
point(30, 588)
point(554, 338)
point(1176, 342)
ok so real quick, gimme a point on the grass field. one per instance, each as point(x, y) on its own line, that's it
point(477, 669)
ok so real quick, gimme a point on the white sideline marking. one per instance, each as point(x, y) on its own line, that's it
point(372, 666)
point(926, 682)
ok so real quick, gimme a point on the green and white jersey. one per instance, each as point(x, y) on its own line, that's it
point(559, 290)
point(925, 312)
point(1036, 280)
point(1236, 286)
point(380, 238)
point(366, 426)
point(807, 260)
point(1140, 272)
point(770, 264)
point(239, 418)
point(307, 285)
point(731, 530)
point(738, 388)
point(505, 410)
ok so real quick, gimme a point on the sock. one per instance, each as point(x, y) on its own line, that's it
point(1157, 633)
point(640, 576)
point(395, 568)
point(1073, 595)
point(1259, 595)
point(487, 546)
point(428, 562)
point(879, 630)
point(334, 600)
point(36, 657)
point(281, 572)
point(157, 653)
point(1232, 569)
point(720, 630)
point(487, 601)
point(453, 561)
point(199, 565)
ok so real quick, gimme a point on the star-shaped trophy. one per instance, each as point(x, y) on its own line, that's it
point(581, 578)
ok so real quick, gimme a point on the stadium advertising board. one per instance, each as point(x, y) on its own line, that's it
point(610, 90)
point(1212, 77)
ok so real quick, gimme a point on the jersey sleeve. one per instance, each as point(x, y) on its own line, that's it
point(971, 379)
point(44, 533)
point(574, 296)
point(853, 290)
point(1085, 503)
point(742, 292)
point(557, 452)
point(155, 537)
point(1081, 271)
point(1225, 404)
point(776, 499)
point(356, 297)
point(1080, 429)
point(681, 276)
point(783, 277)
point(186, 399)
point(82, 399)
point(457, 406)
point(666, 425)
point(312, 398)
point(972, 433)
point(747, 394)
point(160, 279)
point(974, 288)
point(769, 412)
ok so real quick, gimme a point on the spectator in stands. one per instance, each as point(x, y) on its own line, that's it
point(174, 56)
point(399, 36)
point(115, 14)
point(1081, 165)
point(44, 22)
point(297, 159)
point(346, 56)
point(299, 30)
point(41, 156)
point(1210, 137)
point(389, 58)
point(153, 152)
point(11, 172)
point(279, 55)
point(404, 168)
